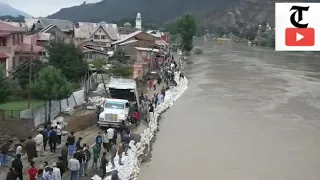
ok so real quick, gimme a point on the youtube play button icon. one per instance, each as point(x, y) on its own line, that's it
point(300, 37)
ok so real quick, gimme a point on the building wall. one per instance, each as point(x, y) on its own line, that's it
point(101, 36)
point(91, 56)
point(9, 51)
point(59, 35)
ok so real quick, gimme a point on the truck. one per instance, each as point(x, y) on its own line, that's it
point(124, 101)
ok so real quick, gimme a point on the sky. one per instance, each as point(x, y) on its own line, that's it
point(42, 8)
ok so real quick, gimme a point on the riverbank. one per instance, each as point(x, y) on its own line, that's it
point(136, 153)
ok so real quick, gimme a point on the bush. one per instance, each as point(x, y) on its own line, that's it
point(197, 50)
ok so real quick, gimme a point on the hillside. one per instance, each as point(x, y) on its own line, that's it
point(152, 10)
point(227, 14)
point(7, 10)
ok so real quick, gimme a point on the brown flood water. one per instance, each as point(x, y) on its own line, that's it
point(248, 114)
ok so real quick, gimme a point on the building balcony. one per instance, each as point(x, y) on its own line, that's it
point(4, 49)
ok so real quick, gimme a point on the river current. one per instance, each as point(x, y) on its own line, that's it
point(248, 114)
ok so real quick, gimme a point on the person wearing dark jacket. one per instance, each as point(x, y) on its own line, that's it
point(17, 165)
point(45, 136)
point(99, 139)
point(53, 137)
point(31, 149)
point(4, 153)
point(71, 140)
point(78, 144)
point(104, 163)
point(114, 175)
point(61, 165)
point(64, 154)
point(11, 175)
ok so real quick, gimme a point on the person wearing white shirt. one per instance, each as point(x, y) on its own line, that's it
point(74, 167)
point(18, 149)
point(110, 135)
point(39, 143)
point(106, 141)
point(56, 172)
point(59, 132)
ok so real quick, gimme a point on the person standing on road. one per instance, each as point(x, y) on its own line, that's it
point(103, 164)
point(71, 140)
point(106, 141)
point(61, 165)
point(52, 139)
point(78, 143)
point(99, 139)
point(18, 149)
point(32, 171)
point(64, 154)
point(96, 154)
point(4, 153)
point(74, 167)
point(151, 111)
point(39, 143)
point(86, 158)
point(126, 140)
point(48, 175)
point(59, 132)
point(110, 134)
point(79, 155)
point(163, 92)
point(40, 175)
point(56, 172)
point(31, 149)
point(17, 165)
point(12, 175)
point(120, 152)
point(113, 154)
point(45, 136)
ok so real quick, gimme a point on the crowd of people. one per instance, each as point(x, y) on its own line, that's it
point(75, 156)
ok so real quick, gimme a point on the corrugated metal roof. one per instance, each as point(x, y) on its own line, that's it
point(4, 27)
point(125, 38)
point(128, 42)
point(147, 49)
point(64, 25)
point(122, 83)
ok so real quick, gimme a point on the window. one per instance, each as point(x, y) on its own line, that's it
point(3, 42)
point(103, 37)
point(88, 55)
point(96, 37)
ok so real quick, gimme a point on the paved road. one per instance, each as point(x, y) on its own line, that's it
point(248, 114)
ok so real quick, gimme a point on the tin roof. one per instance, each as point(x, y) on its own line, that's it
point(122, 83)
point(64, 25)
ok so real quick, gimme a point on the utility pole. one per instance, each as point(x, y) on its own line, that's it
point(30, 72)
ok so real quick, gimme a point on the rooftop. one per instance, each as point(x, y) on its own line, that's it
point(147, 49)
point(4, 27)
point(116, 100)
point(122, 83)
point(64, 25)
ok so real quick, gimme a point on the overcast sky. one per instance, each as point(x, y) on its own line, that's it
point(43, 7)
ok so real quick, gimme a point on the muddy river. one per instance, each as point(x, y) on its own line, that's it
point(248, 114)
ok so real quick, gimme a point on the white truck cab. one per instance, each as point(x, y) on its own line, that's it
point(114, 112)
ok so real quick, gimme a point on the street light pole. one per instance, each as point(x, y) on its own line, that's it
point(30, 73)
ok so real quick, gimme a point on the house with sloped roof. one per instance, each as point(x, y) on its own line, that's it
point(99, 35)
point(13, 48)
point(65, 26)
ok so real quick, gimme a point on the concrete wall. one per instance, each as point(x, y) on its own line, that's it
point(40, 113)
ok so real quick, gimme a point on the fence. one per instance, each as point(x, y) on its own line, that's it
point(9, 114)
point(40, 113)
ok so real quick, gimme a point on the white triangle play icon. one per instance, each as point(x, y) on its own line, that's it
point(299, 36)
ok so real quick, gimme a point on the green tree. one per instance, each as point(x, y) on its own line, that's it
point(50, 84)
point(22, 71)
point(118, 70)
point(69, 59)
point(120, 56)
point(187, 28)
point(4, 85)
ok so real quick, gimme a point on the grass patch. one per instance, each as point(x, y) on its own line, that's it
point(20, 105)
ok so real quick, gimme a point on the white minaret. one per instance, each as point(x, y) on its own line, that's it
point(138, 21)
